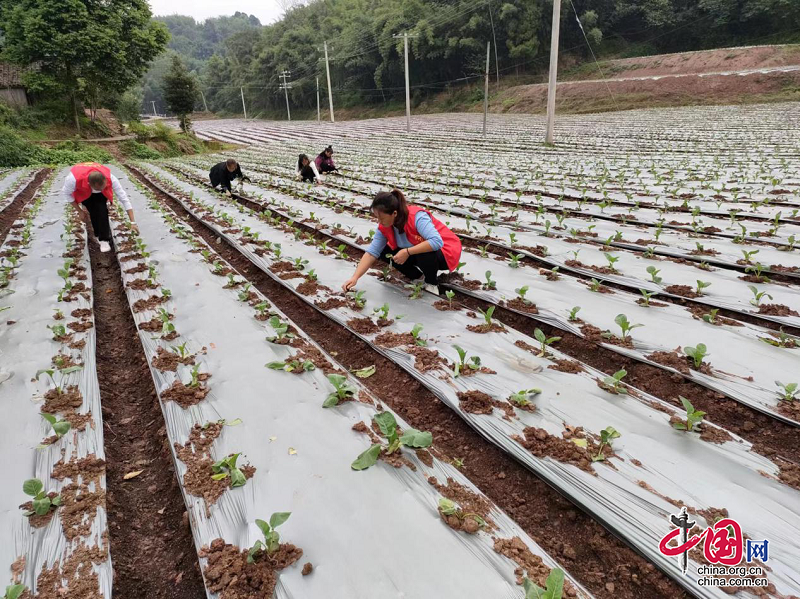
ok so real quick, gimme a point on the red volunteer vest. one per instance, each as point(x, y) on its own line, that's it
point(82, 188)
point(452, 244)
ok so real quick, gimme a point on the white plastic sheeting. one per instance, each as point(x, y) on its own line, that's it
point(722, 476)
point(373, 534)
point(26, 347)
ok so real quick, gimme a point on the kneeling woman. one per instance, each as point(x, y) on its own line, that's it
point(420, 245)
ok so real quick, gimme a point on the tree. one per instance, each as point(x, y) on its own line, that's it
point(180, 91)
point(83, 50)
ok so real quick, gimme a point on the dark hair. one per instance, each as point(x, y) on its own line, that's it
point(96, 179)
point(230, 162)
point(392, 201)
point(300, 161)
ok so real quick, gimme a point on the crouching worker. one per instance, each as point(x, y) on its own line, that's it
point(307, 170)
point(93, 187)
point(223, 173)
point(420, 245)
point(324, 161)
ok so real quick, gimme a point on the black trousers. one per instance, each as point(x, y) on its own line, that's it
point(307, 173)
point(326, 168)
point(97, 205)
point(428, 264)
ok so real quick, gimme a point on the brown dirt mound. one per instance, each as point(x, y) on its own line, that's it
point(777, 310)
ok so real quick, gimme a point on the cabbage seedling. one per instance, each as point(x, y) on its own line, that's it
point(711, 317)
point(626, 326)
point(60, 427)
point(281, 330)
point(292, 365)
point(490, 284)
point(449, 294)
point(300, 263)
point(59, 330)
point(615, 381)
point(41, 502)
point(473, 364)
point(573, 314)
point(783, 340)
point(388, 426)
point(520, 398)
point(515, 258)
point(757, 295)
point(383, 312)
point(342, 390)
point(653, 272)
point(418, 340)
point(544, 341)
point(693, 417)
point(487, 316)
point(272, 539)
point(450, 508)
point(748, 255)
point(166, 293)
point(62, 375)
point(554, 583)
point(606, 436)
point(358, 298)
point(700, 286)
point(595, 285)
point(646, 295)
point(611, 261)
point(180, 350)
point(227, 467)
point(789, 391)
point(340, 252)
point(262, 308)
point(696, 353)
point(521, 293)
point(14, 591)
point(416, 290)
point(244, 294)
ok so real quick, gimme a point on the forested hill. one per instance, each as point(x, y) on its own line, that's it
point(449, 43)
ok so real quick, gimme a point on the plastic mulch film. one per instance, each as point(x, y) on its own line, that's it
point(11, 184)
point(747, 375)
point(633, 494)
point(302, 452)
point(26, 346)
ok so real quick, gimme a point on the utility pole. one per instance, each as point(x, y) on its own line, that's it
point(204, 100)
point(330, 90)
point(154, 108)
point(244, 108)
point(496, 59)
point(286, 87)
point(318, 118)
point(405, 37)
point(551, 87)
point(486, 89)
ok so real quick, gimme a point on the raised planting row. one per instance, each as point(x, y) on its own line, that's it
point(262, 421)
point(53, 514)
point(600, 313)
point(617, 454)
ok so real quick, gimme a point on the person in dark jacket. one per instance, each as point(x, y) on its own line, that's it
point(324, 161)
point(307, 170)
point(223, 173)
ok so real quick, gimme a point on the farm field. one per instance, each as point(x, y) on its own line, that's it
point(619, 341)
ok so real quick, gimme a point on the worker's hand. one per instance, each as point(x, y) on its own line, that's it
point(228, 192)
point(349, 283)
point(134, 227)
point(401, 256)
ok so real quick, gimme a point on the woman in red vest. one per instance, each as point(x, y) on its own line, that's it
point(420, 245)
point(92, 186)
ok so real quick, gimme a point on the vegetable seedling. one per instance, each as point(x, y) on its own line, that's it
point(60, 427)
point(388, 426)
point(711, 317)
point(281, 330)
point(521, 293)
point(615, 381)
point(627, 327)
point(41, 502)
point(450, 508)
point(606, 436)
point(180, 350)
point(697, 353)
point(487, 316)
point(358, 298)
point(272, 538)
point(300, 263)
point(554, 583)
point(59, 330)
point(449, 294)
point(520, 398)
point(244, 294)
point(416, 334)
point(473, 364)
point(646, 296)
point(63, 372)
point(544, 341)
point(340, 252)
point(227, 467)
point(573, 314)
point(594, 285)
point(14, 591)
point(757, 295)
point(383, 312)
point(700, 286)
point(292, 365)
point(611, 261)
point(416, 290)
point(490, 284)
point(693, 417)
point(788, 391)
point(342, 390)
point(653, 272)
point(515, 258)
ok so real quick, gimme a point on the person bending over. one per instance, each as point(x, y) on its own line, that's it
point(307, 170)
point(92, 187)
point(223, 173)
point(324, 161)
point(420, 245)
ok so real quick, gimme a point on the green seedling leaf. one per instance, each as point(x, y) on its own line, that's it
point(367, 458)
point(365, 373)
point(414, 438)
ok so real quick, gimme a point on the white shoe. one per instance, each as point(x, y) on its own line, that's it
point(434, 289)
point(104, 246)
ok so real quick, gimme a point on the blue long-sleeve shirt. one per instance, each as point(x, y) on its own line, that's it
point(425, 228)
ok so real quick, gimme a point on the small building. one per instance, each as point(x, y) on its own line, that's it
point(12, 90)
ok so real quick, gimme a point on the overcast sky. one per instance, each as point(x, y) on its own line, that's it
point(266, 10)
